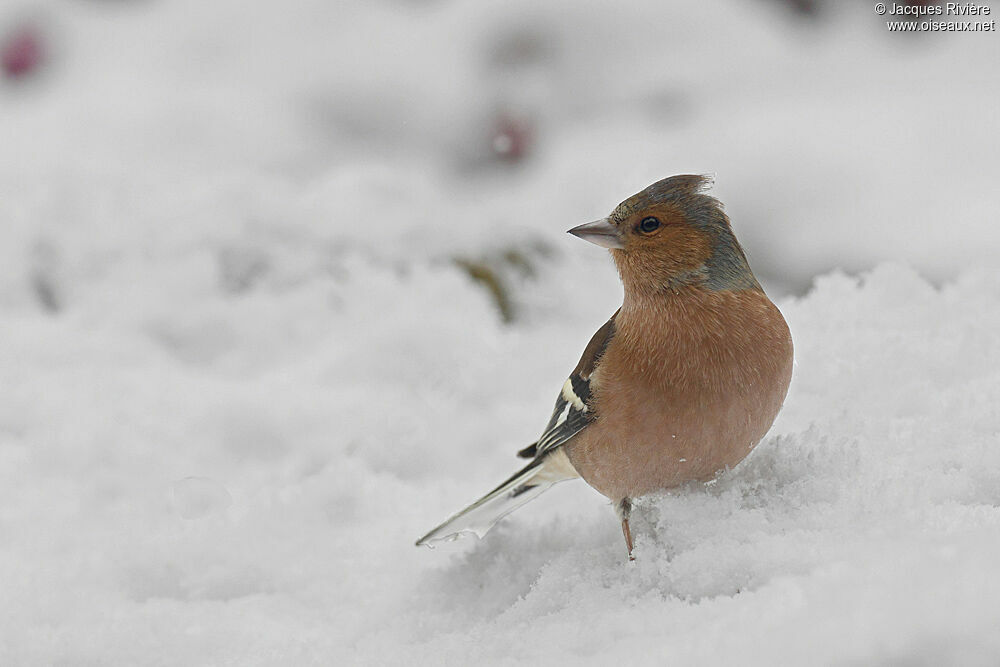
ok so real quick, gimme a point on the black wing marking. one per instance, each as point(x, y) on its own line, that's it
point(572, 410)
point(529, 451)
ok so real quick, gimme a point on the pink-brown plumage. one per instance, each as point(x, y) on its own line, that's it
point(689, 384)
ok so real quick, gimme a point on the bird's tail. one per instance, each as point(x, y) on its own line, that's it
point(524, 485)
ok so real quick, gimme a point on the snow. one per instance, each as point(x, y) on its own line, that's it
point(243, 368)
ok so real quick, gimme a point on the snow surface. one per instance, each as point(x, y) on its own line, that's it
point(242, 370)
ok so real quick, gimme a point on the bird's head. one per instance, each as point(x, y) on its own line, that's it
point(672, 235)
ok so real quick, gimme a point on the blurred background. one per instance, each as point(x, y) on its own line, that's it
point(283, 137)
point(267, 267)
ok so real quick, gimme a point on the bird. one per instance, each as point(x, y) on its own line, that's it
point(683, 380)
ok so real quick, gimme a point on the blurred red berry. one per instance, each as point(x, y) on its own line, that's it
point(21, 52)
point(512, 137)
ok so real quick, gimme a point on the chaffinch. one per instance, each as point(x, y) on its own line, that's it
point(683, 380)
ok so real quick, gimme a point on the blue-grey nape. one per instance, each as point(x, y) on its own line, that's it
point(727, 268)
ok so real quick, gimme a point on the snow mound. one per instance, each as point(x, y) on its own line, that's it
point(268, 517)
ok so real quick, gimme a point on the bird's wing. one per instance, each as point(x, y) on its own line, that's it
point(572, 412)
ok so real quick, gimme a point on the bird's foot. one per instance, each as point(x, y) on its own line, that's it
point(624, 508)
point(628, 538)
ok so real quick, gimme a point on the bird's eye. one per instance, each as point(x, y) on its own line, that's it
point(649, 225)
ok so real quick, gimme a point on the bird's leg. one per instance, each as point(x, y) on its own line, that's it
point(624, 508)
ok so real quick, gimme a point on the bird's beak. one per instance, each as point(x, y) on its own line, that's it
point(601, 232)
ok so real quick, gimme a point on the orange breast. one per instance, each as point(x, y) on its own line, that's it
point(688, 386)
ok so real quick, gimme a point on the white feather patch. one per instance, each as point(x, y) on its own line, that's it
point(563, 415)
point(570, 396)
point(557, 467)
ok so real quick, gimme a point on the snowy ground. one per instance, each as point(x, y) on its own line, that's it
point(242, 366)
